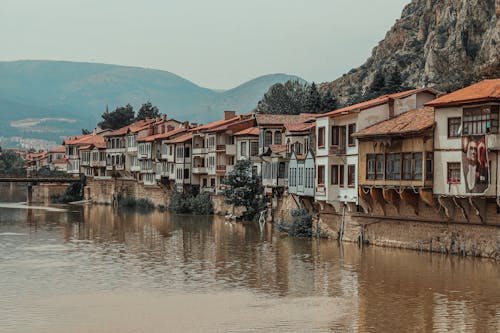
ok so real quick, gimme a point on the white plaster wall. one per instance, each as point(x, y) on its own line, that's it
point(441, 140)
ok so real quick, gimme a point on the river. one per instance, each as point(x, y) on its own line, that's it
point(96, 269)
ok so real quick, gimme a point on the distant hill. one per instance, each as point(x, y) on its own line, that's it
point(446, 44)
point(68, 96)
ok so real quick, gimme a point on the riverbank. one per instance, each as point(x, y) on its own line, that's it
point(428, 231)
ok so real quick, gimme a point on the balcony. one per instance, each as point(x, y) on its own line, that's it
point(336, 150)
point(201, 169)
point(321, 190)
point(208, 189)
point(220, 148)
point(220, 169)
point(135, 168)
point(199, 150)
point(98, 163)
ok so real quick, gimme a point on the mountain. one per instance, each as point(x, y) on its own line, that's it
point(446, 44)
point(52, 99)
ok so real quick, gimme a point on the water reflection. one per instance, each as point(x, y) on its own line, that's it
point(278, 283)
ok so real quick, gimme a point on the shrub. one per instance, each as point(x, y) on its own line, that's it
point(72, 193)
point(197, 204)
point(142, 204)
point(299, 224)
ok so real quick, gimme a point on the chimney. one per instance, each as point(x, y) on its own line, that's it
point(164, 116)
point(229, 114)
point(391, 108)
point(194, 124)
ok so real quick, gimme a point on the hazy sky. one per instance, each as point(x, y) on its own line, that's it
point(214, 43)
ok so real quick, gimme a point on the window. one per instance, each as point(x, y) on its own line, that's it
point(268, 138)
point(351, 175)
point(393, 166)
point(480, 120)
point(335, 135)
point(230, 160)
point(454, 125)
point(379, 166)
point(453, 172)
point(429, 165)
point(186, 173)
point(321, 137)
point(186, 152)
point(277, 138)
point(301, 176)
point(254, 148)
point(281, 170)
point(351, 130)
point(407, 166)
point(370, 166)
point(417, 166)
point(341, 175)
point(321, 174)
point(335, 175)
point(243, 149)
point(212, 182)
point(205, 182)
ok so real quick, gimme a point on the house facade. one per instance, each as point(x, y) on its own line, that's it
point(337, 150)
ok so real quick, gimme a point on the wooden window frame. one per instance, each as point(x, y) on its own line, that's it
point(457, 166)
point(450, 120)
point(321, 175)
point(351, 129)
point(335, 174)
point(321, 137)
point(341, 175)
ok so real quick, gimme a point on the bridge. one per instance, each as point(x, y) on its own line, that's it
point(35, 179)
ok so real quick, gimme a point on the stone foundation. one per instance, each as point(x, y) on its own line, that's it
point(105, 191)
point(43, 193)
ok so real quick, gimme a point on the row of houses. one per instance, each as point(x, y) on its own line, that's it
point(416, 145)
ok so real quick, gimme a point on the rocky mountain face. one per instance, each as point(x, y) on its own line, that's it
point(445, 44)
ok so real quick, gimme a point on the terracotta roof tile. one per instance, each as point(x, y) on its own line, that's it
point(278, 148)
point(132, 128)
point(299, 127)
point(252, 131)
point(182, 138)
point(413, 121)
point(163, 135)
point(375, 102)
point(282, 119)
point(60, 161)
point(60, 149)
point(487, 90)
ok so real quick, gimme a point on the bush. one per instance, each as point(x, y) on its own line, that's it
point(142, 204)
point(72, 193)
point(197, 204)
point(299, 224)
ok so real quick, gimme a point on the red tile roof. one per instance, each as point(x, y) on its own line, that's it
point(60, 149)
point(413, 121)
point(132, 128)
point(84, 140)
point(278, 148)
point(282, 119)
point(234, 126)
point(60, 161)
point(375, 102)
point(216, 123)
point(163, 135)
point(487, 90)
point(299, 127)
point(251, 131)
point(182, 138)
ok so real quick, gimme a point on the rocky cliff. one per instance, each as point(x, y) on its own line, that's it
point(446, 44)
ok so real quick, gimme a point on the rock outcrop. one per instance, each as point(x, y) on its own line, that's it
point(446, 44)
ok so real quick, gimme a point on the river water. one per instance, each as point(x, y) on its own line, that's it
point(96, 269)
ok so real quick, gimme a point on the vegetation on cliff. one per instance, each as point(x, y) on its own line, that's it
point(445, 44)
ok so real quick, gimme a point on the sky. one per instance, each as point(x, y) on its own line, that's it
point(217, 44)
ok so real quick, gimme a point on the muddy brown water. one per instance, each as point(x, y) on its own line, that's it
point(96, 269)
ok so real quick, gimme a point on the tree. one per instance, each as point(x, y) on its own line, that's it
point(288, 98)
point(312, 103)
point(122, 116)
point(147, 110)
point(328, 102)
point(244, 189)
point(11, 162)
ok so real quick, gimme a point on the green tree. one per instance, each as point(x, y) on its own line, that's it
point(328, 102)
point(122, 116)
point(288, 98)
point(147, 110)
point(312, 103)
point(11, 162)
point(244, 189)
